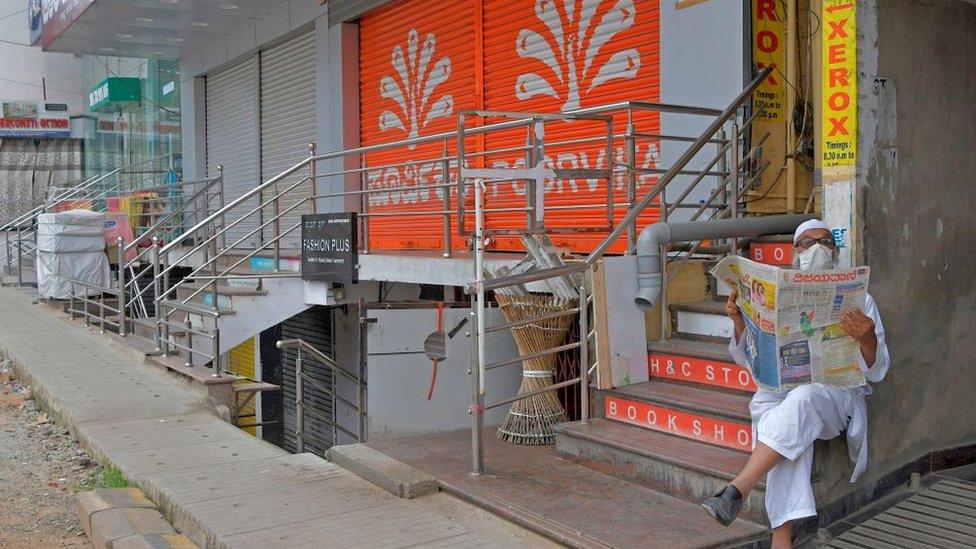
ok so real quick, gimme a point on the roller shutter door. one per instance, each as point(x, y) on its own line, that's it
point(505, 55)
point(417, 71)
point(287, 124)
point(549, 56)
point(232, 141)
point(314, 326)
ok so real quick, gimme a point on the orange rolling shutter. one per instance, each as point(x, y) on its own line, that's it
point(507, 55)
point(416, 68)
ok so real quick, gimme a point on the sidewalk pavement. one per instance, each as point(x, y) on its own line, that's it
point(215, 483)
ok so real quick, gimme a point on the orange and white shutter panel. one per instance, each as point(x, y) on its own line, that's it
point(416, 66)
point(422, 62)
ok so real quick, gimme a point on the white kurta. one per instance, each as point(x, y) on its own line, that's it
point(790, 422)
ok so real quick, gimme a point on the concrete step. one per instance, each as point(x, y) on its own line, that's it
point(699, 363)
point(702, 319)
point(703, 415)
point(682, 468)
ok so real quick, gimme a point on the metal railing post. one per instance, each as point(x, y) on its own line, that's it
point(722, 164)
point(631, 181)
point(530, 220)
point(734, 181)
point(157, 290)
point(446, 189)
point(277, 229)
point(71, 302)
point(120, 245)
point(101, 312)
point(220, 201)
point(584, 354)
point(20, 257)
point(216, 349)
point(299, 403)
point(6, 234)
point(312, 178)
point(189, 342)
point(361, 372)
point(364, 201)
point(478, 341)
point(162, 314)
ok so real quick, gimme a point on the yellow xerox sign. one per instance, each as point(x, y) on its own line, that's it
point(839, 108)
point(768, 48)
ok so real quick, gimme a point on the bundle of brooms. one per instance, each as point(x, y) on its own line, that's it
point(530, 420)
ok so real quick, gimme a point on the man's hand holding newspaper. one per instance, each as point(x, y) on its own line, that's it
point(797, 326)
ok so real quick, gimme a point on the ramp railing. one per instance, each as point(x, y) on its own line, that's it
point(306, 350)
point(580, 273)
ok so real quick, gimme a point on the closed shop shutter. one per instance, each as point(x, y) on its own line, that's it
point(232, 141)
point(314, 326)
point(548, 56)
point(535, 56)
point(287, 125)
point(417, 71)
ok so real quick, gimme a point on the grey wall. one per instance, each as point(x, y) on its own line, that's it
point(702, 68)
point(916, 185)
point(919, 199)
point(399, 374)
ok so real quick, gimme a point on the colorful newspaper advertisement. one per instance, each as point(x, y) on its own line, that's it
point(792, 334)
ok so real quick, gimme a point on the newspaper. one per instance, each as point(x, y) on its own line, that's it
point(792, 333)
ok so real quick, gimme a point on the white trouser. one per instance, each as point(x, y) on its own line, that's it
point(789, 423)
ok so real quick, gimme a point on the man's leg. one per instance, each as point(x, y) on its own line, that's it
point(785, 430)
point(783, 536)
point(763, 459)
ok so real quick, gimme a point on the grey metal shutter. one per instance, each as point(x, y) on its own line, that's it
point(287, 126)
point(314, 326)
point(233, 141)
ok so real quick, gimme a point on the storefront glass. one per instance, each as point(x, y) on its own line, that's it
point(139, 133)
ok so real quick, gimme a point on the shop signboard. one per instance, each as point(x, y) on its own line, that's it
point(330, 247)
point(34, 119)
point(34, 21)
point(113, 93)
point(57, 16)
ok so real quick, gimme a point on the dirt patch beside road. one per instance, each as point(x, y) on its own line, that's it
point(41, 470)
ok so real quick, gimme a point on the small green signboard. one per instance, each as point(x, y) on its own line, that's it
point(113, 93)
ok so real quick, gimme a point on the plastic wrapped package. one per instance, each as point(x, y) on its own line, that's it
point(71, 246)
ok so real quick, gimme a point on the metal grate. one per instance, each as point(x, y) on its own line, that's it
point(943, 515)
point(315, 327)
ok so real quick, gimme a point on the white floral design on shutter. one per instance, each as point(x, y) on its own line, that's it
point(575, 35)
point(414, 86)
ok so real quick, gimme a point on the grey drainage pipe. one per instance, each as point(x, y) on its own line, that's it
point(649, 276)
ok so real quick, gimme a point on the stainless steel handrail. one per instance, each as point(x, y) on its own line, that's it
point(480, 285)
point(300, 345)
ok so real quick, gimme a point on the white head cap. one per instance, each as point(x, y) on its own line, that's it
point(806, 226)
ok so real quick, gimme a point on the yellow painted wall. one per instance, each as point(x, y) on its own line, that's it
point(241, 361)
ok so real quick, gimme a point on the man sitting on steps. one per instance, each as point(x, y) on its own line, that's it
point(786, 425)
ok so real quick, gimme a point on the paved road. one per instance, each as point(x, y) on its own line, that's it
point(215, 483)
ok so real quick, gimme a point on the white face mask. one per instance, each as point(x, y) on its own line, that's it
point(816, 258)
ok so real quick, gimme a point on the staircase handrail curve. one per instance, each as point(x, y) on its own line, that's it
point(508, 124)
point(150, 232)
point(219, 233)
point(226, 272)
point(69, 194)
point(324, 358)
point(600, 250)
point(85, 183)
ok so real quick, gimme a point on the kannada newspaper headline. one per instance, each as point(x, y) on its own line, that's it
point(792, 334)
